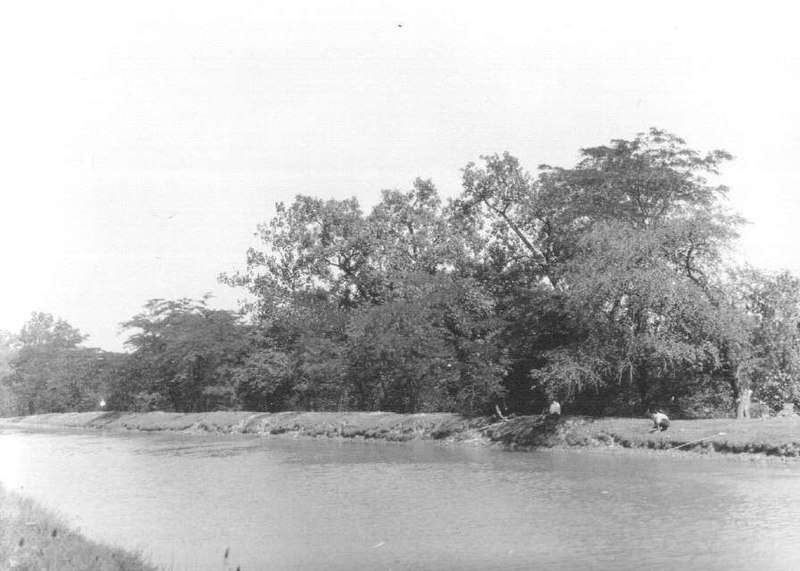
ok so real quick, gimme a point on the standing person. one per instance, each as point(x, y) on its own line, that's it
point(660, 421)
point(743, 404)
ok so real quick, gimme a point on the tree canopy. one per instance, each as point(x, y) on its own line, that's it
point(51, 371)
point(607, 285)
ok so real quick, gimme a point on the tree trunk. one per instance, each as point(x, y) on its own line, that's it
point(732, 374)
point(643, 386)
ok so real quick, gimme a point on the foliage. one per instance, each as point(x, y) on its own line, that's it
point(312, 246)
point(43, 330)
point(606, 286)
point(8, 350)
point(52, 372)
point(499, 207)
point(433, 351)
point(647, 237)
point(603, 279)
point(261, 380)
point(773, 303)
point(184, 356)
point(373, 312)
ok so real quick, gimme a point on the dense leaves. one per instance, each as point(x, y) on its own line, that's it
point(772, 302)
point(50, 371)
point(607, 286)
point(184, 357)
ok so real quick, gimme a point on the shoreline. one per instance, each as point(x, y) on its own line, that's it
point(776, 437)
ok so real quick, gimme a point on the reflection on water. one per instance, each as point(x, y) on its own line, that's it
point(285, 503)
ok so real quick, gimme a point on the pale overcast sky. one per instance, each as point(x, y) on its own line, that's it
point(143, 142)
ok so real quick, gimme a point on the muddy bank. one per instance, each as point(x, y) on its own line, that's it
point(376, 425)
point(778, 436)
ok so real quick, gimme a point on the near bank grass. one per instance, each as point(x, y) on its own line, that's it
point(776, 436)
point(32, 538)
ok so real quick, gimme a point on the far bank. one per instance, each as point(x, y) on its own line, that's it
point(779, 436)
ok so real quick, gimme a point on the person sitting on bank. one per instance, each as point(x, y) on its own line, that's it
point(555, 408)
point(660, 421)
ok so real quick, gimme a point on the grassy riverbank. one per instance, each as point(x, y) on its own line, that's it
point(32, 538)
point(778, 436)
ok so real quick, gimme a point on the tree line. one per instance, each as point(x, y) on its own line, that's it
point(608, 286)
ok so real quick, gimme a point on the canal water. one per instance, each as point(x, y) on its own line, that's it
point(284, 503)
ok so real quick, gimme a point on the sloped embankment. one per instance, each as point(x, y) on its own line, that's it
point(32, 537)
point(377, 425)
point(778, 436)
point(773, 436)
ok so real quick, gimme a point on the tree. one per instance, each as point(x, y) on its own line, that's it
point(262, 381)
point(638, 323)
point(42, 329)
point(773, 303)
point(601, 279)
point(411, 232)
point(622, 252)
point(311, 246)
point(185, 356)
point(8, 351)
point(52, 372)
point(434, 349)
point(9, 344)
point(364, 311)
point(650, 234)
point(499, 207)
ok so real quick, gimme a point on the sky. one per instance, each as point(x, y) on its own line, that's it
point(142, 143)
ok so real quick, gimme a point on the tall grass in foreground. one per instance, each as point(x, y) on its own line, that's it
point(33, 538)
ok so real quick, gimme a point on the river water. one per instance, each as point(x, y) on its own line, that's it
point(285, 503)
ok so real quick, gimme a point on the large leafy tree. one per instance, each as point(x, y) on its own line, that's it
point(184, 357)
point(412, 232)
point(772, 302)
point(499, 207)
point(52, 372)
point(262, 381)
point(312, 247)
point(650, 233)
point(315, 249)
point(434, 350)
point(620, 255)
point(312, 269)
point(636, 322)
point(601, 279)
point(363, 310)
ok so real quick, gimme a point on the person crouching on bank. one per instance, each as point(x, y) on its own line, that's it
point(660, 421)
